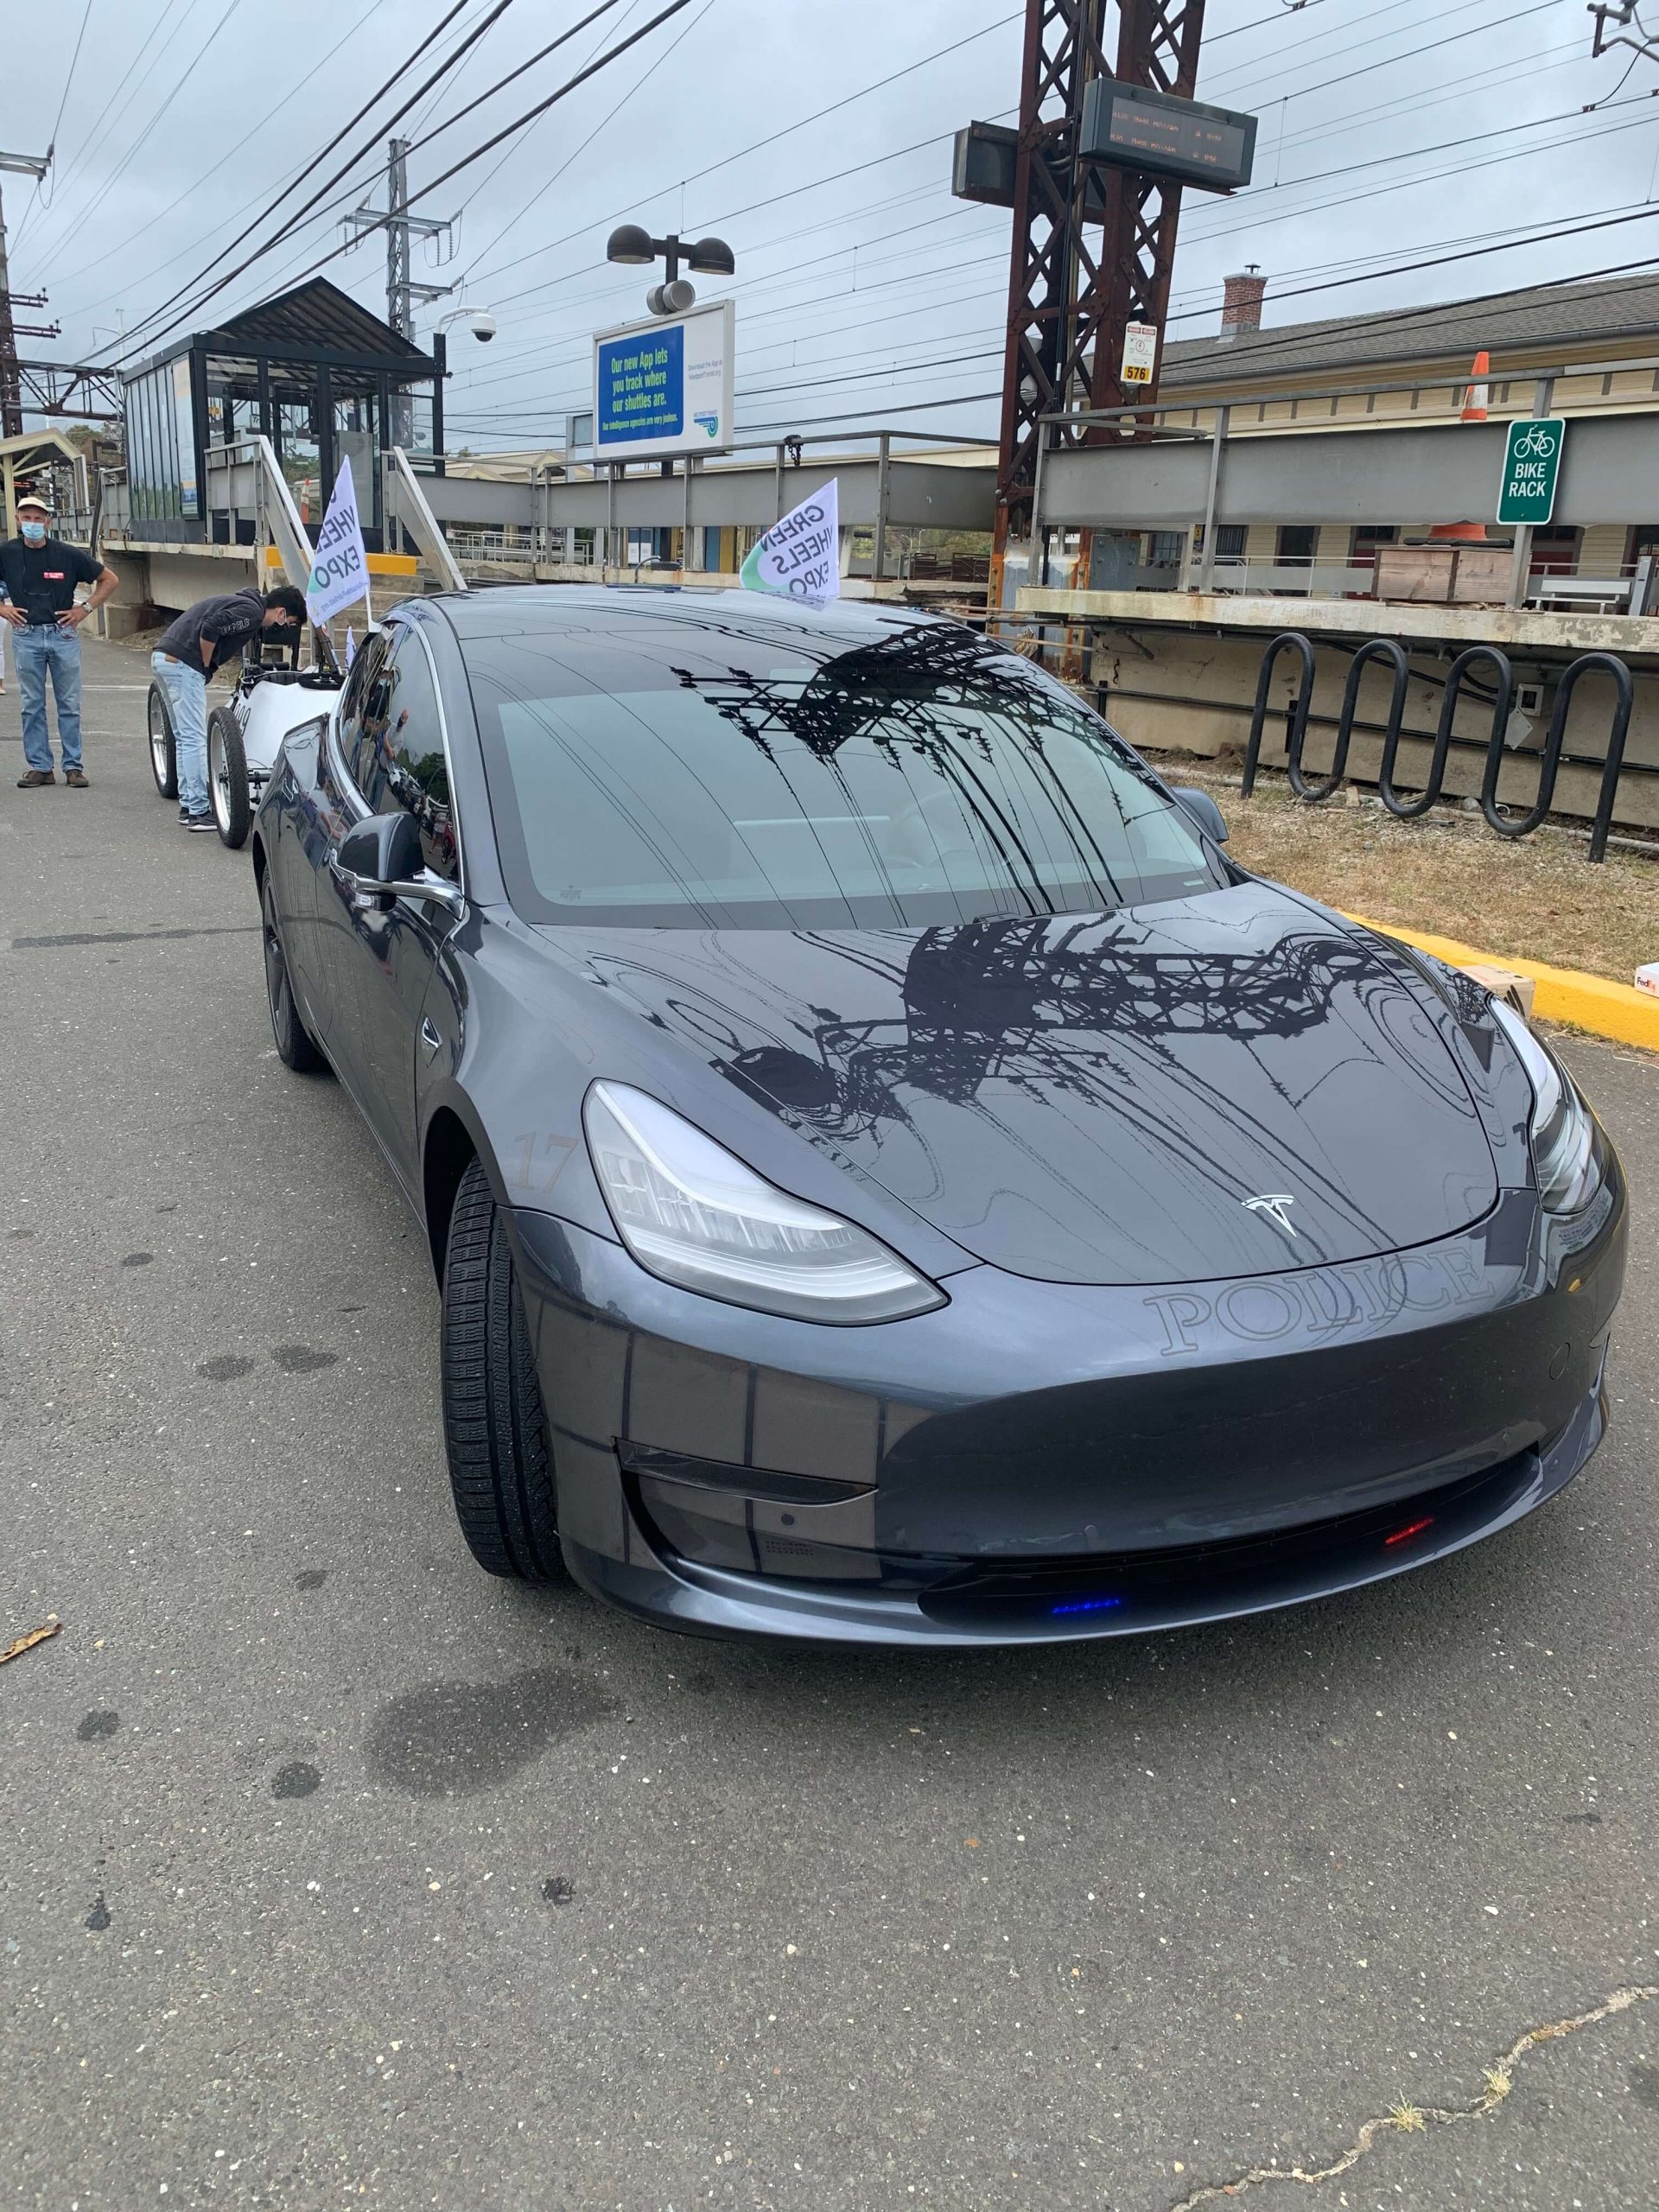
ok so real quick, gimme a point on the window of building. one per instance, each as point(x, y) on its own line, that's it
point(1555, 551)
point(1368, 536)
point(1230, 539)
point(1299, 542)
point(1165, 547)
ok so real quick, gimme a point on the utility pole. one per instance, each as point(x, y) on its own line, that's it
point(403, 293)
point(12, 393)
point(400, 308)
point(1622, 12)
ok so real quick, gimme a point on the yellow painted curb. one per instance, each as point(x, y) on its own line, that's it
point(1607, 1009)
point(380, 564)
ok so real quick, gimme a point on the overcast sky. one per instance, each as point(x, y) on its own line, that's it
point(1388, 135)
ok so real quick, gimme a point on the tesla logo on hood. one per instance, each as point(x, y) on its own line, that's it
point(1275, 1204)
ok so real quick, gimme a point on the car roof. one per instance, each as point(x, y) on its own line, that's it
point(608, 614)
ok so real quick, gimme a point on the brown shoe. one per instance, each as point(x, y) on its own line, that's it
point(35, 777)
point(76, 780)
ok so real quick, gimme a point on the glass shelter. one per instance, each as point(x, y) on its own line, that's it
point(313, 370)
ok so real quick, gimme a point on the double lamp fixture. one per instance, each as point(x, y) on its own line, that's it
point(635, 247)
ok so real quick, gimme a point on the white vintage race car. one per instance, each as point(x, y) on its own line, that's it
point(244, 735)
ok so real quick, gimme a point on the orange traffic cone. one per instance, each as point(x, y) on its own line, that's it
point(1475, 396)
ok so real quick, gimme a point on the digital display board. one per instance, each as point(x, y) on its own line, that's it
point(664, 387)
point(1162, 135)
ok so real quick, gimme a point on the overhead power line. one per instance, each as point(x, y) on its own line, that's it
point(1279, 16)
point(1444, 260)
point(994, 254)
point(43, 192)
point(802, 123)
point(236, 152)
point(1409, 54)
point(1303, 335)
point(581, 148)
point(127, 89)
point(106, 184)
point(1485, 304)
point(403, 68)
point(512, 75)
point(570, 85)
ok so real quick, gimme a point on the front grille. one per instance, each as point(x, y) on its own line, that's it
point(1113, 1582)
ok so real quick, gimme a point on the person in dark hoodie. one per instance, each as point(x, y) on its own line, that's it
point(192, 652)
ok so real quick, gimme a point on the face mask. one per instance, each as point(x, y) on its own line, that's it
point(33, 533)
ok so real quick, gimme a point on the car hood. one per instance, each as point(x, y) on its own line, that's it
point(1225, 1085)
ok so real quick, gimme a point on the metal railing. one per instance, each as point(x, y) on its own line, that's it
point(245, 482)
point(1314, 790)
point(406, 509)
point(1075, 430)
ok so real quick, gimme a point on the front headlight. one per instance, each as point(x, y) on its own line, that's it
point(1562, 1131)
point(690, 1212)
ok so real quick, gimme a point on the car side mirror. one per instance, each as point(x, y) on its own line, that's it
point(1203, 811)
point(379, 853)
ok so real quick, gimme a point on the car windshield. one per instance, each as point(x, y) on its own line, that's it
point(683, 779)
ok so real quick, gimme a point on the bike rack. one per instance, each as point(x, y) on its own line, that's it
point(1409, 810)
point(1549, 763)
point(1295, 642)
point(1317, 790)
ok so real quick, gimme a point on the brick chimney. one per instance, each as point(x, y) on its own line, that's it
point(1241, 306)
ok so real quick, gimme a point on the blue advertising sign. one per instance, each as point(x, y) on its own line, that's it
point(641, 386)
point(664, 387)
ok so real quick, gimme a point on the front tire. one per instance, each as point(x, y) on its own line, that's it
point(295, 1046)
point(494, 1423)
point(163, 753)
point(227, 779)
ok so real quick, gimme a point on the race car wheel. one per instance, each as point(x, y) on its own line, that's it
point(295, 1046)
point(494, 1424)
point(164, 759)
point(227, 777)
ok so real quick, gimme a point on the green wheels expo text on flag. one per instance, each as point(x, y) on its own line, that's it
point(340, 572)
point(799, 557)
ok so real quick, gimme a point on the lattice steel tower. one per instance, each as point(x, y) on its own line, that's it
point(1093, 247)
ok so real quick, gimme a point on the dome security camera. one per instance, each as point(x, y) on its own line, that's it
point(482, 326)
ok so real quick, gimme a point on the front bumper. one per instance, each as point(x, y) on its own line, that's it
point(1038, 1462)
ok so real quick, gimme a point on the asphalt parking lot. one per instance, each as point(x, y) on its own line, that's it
point(332, 1872)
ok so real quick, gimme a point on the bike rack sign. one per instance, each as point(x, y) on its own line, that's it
point(1532, 462)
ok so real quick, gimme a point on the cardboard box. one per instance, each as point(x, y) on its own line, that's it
point(1460, 572)
point(1647, 979)
point(1516, 991)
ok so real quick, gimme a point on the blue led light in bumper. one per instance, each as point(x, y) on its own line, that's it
point(1087, 1605)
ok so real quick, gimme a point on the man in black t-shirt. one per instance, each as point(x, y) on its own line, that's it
point(38, 576)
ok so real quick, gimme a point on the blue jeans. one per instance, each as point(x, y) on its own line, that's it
point(38, 648)
point(185, 689)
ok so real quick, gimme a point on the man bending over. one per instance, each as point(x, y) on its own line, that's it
point(194, 650)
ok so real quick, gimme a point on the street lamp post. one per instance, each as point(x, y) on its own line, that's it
point(634, 246)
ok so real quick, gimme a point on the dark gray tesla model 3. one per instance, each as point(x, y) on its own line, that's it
point(891, 1178)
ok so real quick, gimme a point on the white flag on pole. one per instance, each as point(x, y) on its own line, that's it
point(800, 555)
point(351, 646)
point(340, 572)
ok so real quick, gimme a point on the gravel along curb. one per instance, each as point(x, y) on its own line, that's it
point(1592, 1002)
